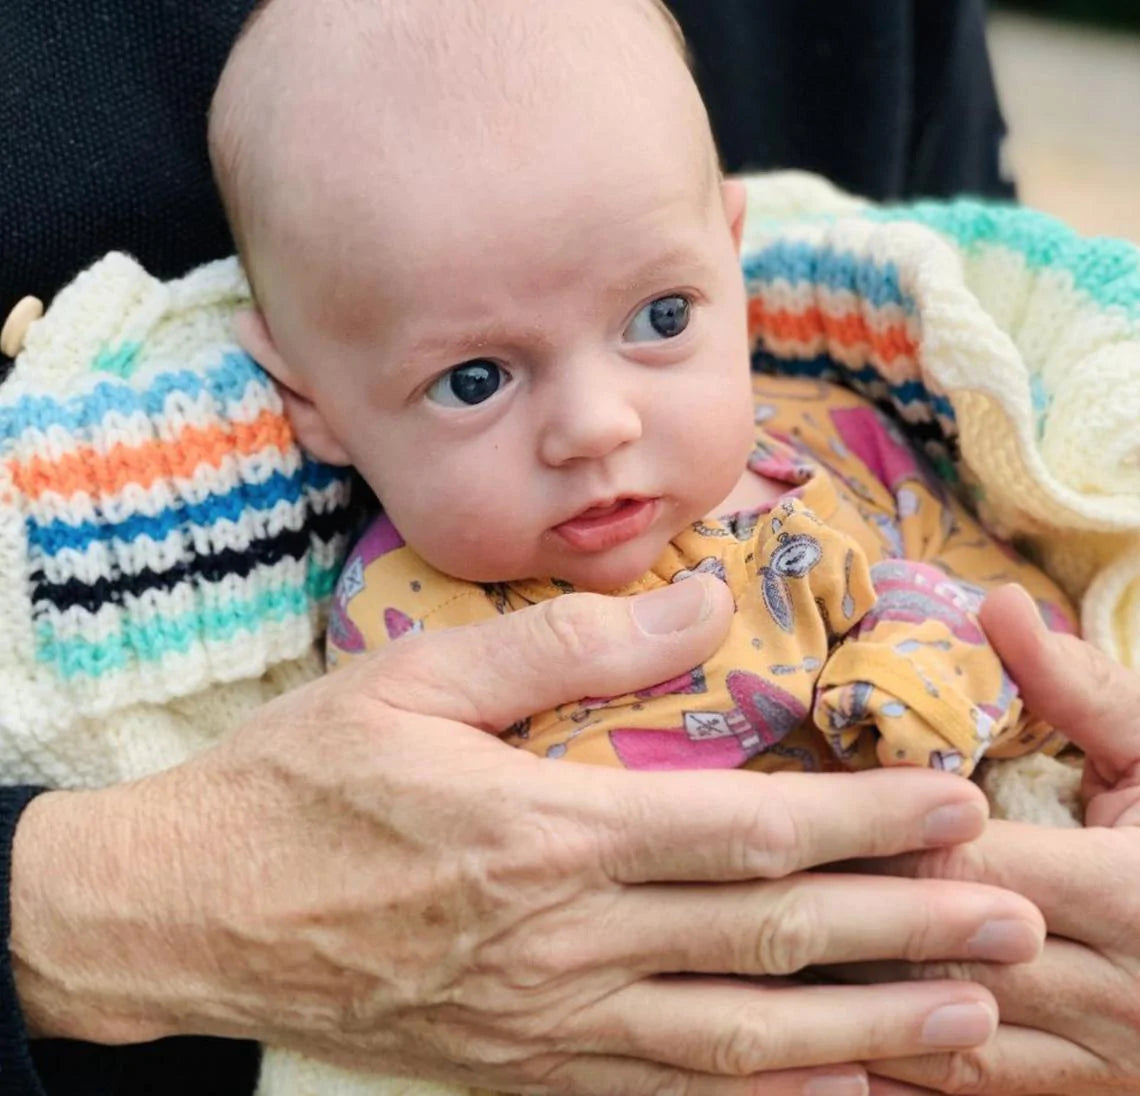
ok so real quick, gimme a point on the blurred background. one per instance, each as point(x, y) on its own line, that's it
point(1068, 79)
point(902, 99)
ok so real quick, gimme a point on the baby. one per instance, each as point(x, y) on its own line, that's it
point(498, 273)
point(496, 270)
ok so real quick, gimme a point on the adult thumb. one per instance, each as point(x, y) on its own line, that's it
point(1091, 699)
point(494, 673)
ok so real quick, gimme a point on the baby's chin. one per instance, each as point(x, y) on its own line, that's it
point(607, 572)
point(610, 572)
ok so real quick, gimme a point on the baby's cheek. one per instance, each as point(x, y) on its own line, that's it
point(470, 535)
point(718, 435)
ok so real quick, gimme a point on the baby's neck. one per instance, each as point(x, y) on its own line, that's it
point(752, 492)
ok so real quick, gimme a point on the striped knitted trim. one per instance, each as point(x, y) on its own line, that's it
point(54, 535)
point(216, 618)
point(841, 314)
point(210, 565)
point(820, 312)
point(1104, 269)
point(175, 533)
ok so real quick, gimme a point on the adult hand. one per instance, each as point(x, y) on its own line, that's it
point(362, 876)
point(1071, 1019)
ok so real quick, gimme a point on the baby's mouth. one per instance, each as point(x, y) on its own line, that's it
point(607, 524)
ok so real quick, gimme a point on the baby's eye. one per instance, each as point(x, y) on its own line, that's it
point(664, 318)
point(468, 384)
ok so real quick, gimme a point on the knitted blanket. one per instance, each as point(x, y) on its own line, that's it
point(166, 550)
point(1010, 345)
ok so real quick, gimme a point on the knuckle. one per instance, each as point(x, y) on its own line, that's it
point(923, 934)
point(1103, 678)
point(536, 963)
point(949, 971)
point(961, 863)
point(771, 844)
point(791, 937)
point(745, 1049)
point(570, 623)
point(961, 1073)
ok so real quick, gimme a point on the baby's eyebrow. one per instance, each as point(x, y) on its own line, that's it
point(680, 260)
point(466, 345)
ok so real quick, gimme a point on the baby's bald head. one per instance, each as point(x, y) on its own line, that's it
point(330, 112)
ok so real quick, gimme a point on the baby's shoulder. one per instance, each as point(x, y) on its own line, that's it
point(387, 591)
point(801, 397)
point(820, 418)
point(841, 430)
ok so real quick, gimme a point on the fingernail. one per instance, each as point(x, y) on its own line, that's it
point(672, 609)
point(1006, 941)
point(837, 1084)
point(1027, 597)
point(957, 822)
point(959, 1025)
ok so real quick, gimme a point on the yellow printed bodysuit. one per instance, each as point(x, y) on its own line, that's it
point(855, 640)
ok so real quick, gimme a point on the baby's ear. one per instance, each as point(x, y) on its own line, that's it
point(253, 337)
point(309, 424)
point(734, 195)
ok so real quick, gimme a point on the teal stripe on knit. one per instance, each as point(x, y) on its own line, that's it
point(119, 361)
point(1106, 269)
point(153, 640)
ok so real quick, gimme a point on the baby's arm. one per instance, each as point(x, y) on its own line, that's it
point(928, 605)
point(918, 668)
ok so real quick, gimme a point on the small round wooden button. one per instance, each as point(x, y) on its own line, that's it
point(16, 325)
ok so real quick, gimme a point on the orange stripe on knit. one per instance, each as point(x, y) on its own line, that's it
point(847, 330)
point(87, 471)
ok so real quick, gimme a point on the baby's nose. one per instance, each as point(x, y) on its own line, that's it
point(588, 423)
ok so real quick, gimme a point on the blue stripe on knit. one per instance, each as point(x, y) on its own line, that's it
point(1106, 269)
point(227, 383)
point(904, 395)
point(151, 640)
point(234, 505)
point(799, 262)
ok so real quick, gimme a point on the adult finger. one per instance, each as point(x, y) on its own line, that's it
point(600, 1075)
point(499, 671)
point(1064, 876)
point(883, 1086)
point(1016, 1062)
point(722, 826)
point(1069, 990)
point(1065, 681)
point(735, 1028)
point(807, 920)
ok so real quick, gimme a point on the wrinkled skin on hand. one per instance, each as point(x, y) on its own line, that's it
point(1070, 1020)
point(365, 875)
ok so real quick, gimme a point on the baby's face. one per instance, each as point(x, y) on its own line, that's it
point(532, 339)
point(554, 389)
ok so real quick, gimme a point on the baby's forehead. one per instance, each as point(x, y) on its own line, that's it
point(500, 268)
point(516, 96)
point(339, 74)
